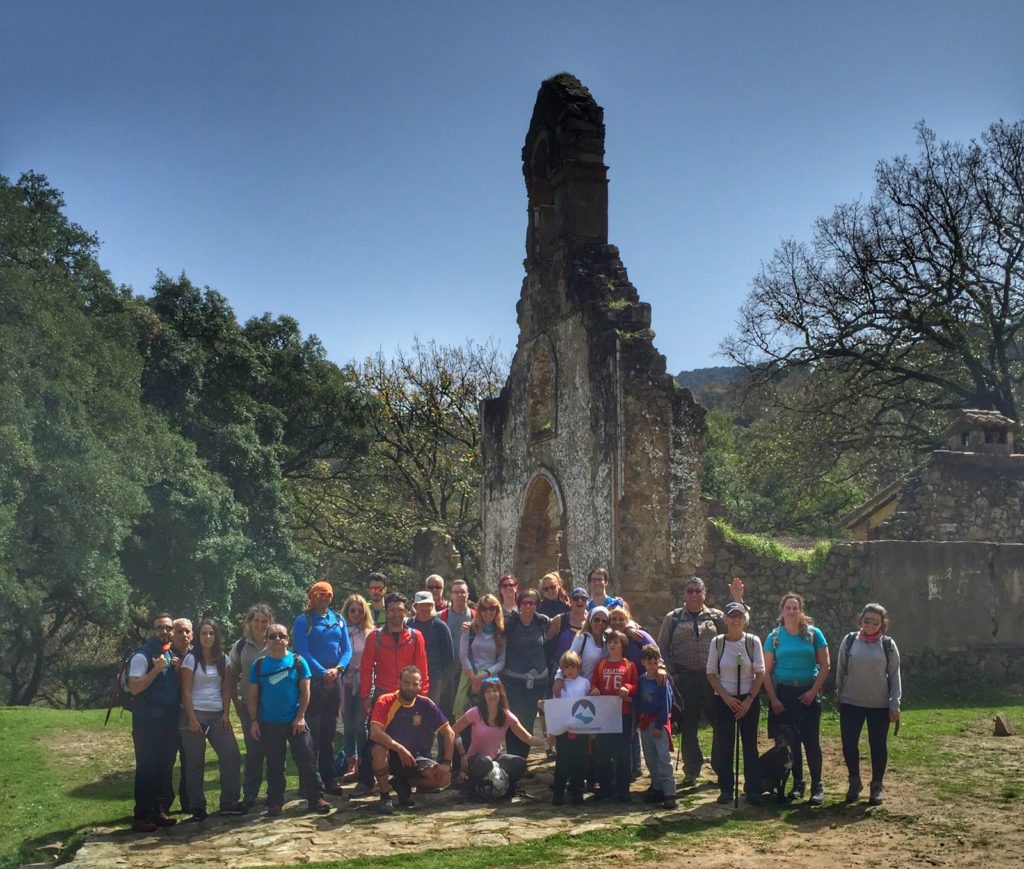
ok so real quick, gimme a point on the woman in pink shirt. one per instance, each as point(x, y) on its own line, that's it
point(489, 722)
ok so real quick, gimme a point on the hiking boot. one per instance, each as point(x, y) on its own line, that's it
point(653, 796)
point(670, 803)
point(689, 781)
point(853, 791)
point(199, 815)
point(335, 790)
point(624, 797)
point(797, 791)
point(724, 798)
point(386, 806)
point(755, 799)
point(165, 820)
point(576, 797)
point(234, 809)
point(320, 806)
point(817, 794)
point(404, 793)
point(875, 798)
point(144, 825)
point(558, 799)
point(274, 810)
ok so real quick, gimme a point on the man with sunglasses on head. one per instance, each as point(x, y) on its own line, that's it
point(684, 639)
point(278, 699)
point(376, 591)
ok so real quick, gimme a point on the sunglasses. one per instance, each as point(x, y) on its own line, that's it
point(528, 602)
point(277, 636)
point(580, 599)
point(434, 587)
point(695, 591)
point(491, 680)
point(487, 609)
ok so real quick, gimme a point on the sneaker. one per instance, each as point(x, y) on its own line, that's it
point(144, 825)
point(199, 815)
point(853, 791)
point(875, 798)
point(576, 798)
point(797, 791)
point(364, 790)
point(724, 798)
point(670, 803)
point(755, 799)
point(817, 794)
point(320, 806)
point(653, 796)
point(274, 810)
point(386, 806)
point(335, 790)
point(164, 820)
point(558, 799)
point(689, 781)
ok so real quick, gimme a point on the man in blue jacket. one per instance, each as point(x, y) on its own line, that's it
point(321, 638)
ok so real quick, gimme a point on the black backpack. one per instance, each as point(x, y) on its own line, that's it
point(844, 654)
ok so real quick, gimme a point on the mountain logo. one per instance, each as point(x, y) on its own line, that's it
point(584, 711)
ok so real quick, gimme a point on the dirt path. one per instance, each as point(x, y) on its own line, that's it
point(919, 825)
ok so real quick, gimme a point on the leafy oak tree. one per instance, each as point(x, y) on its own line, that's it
point(904, 308)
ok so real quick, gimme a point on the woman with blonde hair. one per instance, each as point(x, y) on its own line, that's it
point(359, 622)
point(481, 651)
point(796, 664)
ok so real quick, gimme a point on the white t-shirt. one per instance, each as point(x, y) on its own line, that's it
point(574, 689)
point(206, 696)
point(727, 669)
point(139, 665)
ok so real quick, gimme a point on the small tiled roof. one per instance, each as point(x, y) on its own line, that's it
point(975, 419)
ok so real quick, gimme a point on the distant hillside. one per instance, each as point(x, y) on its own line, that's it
point(699, 378)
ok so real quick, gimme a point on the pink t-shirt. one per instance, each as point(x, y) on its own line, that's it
point(485, 739)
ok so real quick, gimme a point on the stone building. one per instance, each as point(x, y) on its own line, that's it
point(971, 490)
point(592, 452)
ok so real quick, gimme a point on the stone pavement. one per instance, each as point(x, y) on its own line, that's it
point(354, 829)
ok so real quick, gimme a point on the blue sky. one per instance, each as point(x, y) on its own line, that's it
point(357, 166)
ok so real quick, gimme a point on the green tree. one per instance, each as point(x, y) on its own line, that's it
point(908, 304)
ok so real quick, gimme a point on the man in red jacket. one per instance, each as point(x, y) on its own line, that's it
point(388, 650)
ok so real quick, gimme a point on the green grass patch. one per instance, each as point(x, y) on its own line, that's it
point(814, 559)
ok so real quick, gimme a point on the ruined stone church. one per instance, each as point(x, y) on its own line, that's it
point(592, 452)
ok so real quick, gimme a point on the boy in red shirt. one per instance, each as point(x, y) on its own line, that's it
point(617, 677)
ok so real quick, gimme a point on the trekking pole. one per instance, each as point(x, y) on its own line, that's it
point(736, 760)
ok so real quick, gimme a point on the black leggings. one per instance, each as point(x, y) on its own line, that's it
point(851, 722)
point(806, 720)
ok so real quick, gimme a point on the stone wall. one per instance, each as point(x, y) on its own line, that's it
point(957, 607)
point(960, 496)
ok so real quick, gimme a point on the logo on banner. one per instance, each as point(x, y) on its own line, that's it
point(584, 711)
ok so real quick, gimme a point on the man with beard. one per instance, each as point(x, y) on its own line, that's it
point(402, 728)
point(376, 590)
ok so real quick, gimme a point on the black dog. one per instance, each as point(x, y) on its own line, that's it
point(776, 764)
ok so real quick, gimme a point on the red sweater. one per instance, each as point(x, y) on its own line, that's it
point(610, 676)
point(383, 659)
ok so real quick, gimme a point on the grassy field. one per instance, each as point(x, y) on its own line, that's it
point(62, 773)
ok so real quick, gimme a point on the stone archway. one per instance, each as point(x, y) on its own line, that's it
point(540, 539)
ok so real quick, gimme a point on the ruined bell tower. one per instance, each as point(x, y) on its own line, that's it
point(592, 452)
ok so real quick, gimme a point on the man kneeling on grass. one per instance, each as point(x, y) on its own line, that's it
point(278, 699)
point(402, 729)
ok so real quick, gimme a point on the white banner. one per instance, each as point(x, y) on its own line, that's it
point(584, 715)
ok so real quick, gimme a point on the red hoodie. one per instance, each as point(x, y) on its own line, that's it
point(383, 660)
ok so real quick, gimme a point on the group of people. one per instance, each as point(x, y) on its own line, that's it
point(449, 693)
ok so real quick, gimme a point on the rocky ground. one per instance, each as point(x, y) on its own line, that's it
point(919, 825)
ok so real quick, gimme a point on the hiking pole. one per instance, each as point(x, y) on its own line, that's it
point(736, 759)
